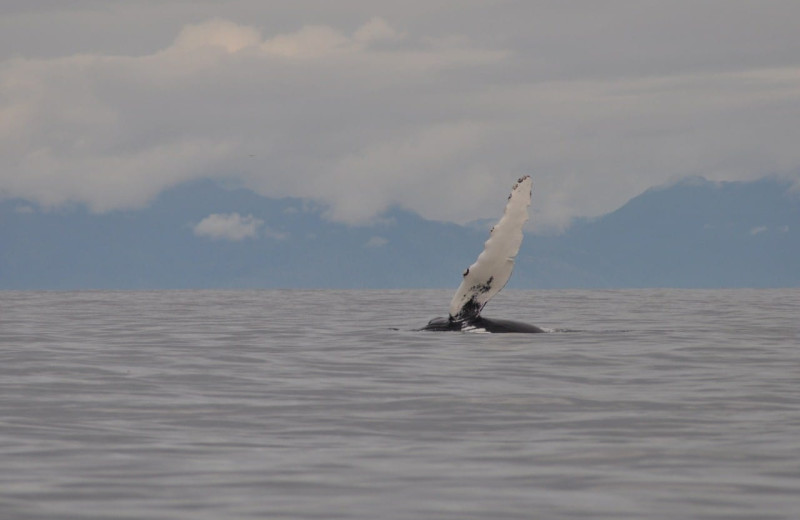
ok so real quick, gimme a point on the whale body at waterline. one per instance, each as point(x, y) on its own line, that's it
point(490, 272)
point(480, 324)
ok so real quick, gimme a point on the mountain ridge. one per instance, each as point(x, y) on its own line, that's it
point(693, 233)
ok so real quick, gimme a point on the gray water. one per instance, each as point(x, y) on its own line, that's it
point(660, 404)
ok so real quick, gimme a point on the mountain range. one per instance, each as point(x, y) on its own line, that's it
point(694, 233)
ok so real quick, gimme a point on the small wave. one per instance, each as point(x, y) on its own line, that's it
point(584, 331)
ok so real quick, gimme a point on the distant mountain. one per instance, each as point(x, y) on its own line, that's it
point(158, 247)
point(691, 234)
point(200, 235)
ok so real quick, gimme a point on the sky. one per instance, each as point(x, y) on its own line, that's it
point(434, 106)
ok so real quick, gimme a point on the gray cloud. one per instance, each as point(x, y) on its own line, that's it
point(372, 104)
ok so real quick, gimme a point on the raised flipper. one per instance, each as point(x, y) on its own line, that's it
point(492, 269)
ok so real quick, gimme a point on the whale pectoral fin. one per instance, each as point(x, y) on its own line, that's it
point(491, 271)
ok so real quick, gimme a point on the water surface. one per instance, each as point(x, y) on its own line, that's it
point(661, 404)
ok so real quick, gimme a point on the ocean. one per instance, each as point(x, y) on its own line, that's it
point(640, 404)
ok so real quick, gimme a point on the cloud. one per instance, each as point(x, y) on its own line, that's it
point(268, 232)
point(376, 241)
point(438, 113)
point(377, 29)
point(233, 227)
point(219, 33)
point(285, 114)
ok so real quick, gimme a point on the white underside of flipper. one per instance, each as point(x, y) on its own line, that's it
point(491, 271)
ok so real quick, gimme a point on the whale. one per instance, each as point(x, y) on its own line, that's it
point(490, 272)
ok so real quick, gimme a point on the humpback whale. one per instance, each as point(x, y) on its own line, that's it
point(490, 272)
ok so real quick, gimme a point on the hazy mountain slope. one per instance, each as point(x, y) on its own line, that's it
point(692, 234)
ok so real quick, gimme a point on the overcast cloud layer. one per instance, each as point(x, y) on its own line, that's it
point(433, 106)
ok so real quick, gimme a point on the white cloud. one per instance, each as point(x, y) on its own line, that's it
point(312, 41)
point(758, 230)
point(437, 113)
point(233, 227)
point(377, 29)
point(216, 33)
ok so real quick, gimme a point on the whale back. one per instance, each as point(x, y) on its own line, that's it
point(480, 324)
point(491, 271)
